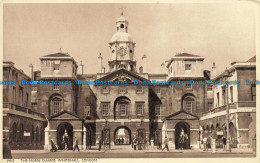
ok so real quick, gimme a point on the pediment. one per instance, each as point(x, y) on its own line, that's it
point(123, 75)
point(182, 115)
point(64, 115)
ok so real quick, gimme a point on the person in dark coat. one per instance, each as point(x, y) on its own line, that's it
point(6, 150)
point(99, 143)
point(224, 140)
point(76, 144)
point(53, 146)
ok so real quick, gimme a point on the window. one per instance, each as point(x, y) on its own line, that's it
point(210, 105)
point(14, 94)
point(34, 88)
point(14, 132)
point(189, 106)
point(157, 110)
point(188, 86)
point(122, 26)
point(21, 95)
point(105, 109)
point(122, 109)
point(139, 89)
point(105, 90)
point(223, 95)
point(56, 87)
point(56, 108)
point(56, 65)
point(27, 100)
point(210, 88)
point(122, 90)
point(34, 104)
point(253, 92)
point(231, 94)
point(158, 91)
point(217, 99)
point(187, 66)
point(139, 109)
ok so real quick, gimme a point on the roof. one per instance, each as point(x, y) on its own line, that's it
point(121, 19)
point(181, 115)
point(186, 55)
point(65, 111)
point(57, 55)
point(121, 36)
point(253, 59)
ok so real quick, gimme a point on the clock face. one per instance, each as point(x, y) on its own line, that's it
point(122, 51)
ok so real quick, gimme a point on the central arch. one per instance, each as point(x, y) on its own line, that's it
point(178, 131)
point(122, 136)
point(65, 137)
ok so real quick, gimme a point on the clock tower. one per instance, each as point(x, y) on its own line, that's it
point(122, 48)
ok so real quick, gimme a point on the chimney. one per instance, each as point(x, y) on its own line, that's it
point(163, 70)
point(103, 69)
point(214, 71)
point(100, 63)
point(31, 71)
point(82, 66)
point(141, 70)
point(144, 59)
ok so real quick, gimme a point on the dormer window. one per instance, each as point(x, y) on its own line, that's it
point(187, 66)
point(56, 65)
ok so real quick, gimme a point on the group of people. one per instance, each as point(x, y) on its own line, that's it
point(64, 145)
point(207, 143)
point(143, 144)
point(120, 141)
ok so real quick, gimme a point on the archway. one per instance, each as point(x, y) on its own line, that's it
point(65, 136)
point(182, 128)
point(122, 136)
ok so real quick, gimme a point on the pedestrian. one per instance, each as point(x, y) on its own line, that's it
point(146, 144)
point(123, 140)
point(135, 143)
point(152, 143)
point(6, 150)
point(53, 146)
point(99, 143)
point(166, 143)
point(76, 144)
point(205, 141)
point(224, 141)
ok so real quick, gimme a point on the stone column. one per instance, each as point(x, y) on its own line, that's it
point(84, 138)
point(46, 137)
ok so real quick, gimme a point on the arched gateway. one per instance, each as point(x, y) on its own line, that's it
point(65, 135)
point(182, 135)
point(122, 136)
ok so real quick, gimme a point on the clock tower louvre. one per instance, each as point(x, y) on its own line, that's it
point(122, 48)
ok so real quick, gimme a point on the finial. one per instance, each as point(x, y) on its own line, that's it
point(60, 50)
point(122, 10)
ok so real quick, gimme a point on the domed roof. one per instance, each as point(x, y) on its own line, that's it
point(121, 19)
point(121, 36)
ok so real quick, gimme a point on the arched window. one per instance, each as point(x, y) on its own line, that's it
point(55, 104)
point(14, 138)
point(188, 103)
point(122, 26)
point(32, 133)
point(21, 133)
point(37, 134)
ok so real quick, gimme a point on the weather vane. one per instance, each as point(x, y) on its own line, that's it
point(122, 10)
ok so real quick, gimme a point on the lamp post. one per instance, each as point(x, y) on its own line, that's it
point(226, 75)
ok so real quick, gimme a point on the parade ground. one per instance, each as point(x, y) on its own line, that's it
point(122, 152)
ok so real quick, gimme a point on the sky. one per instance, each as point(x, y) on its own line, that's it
point(220, 32)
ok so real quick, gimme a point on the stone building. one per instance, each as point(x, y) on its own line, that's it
point(139, 104)
point(23, 127)
point(241, 100)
